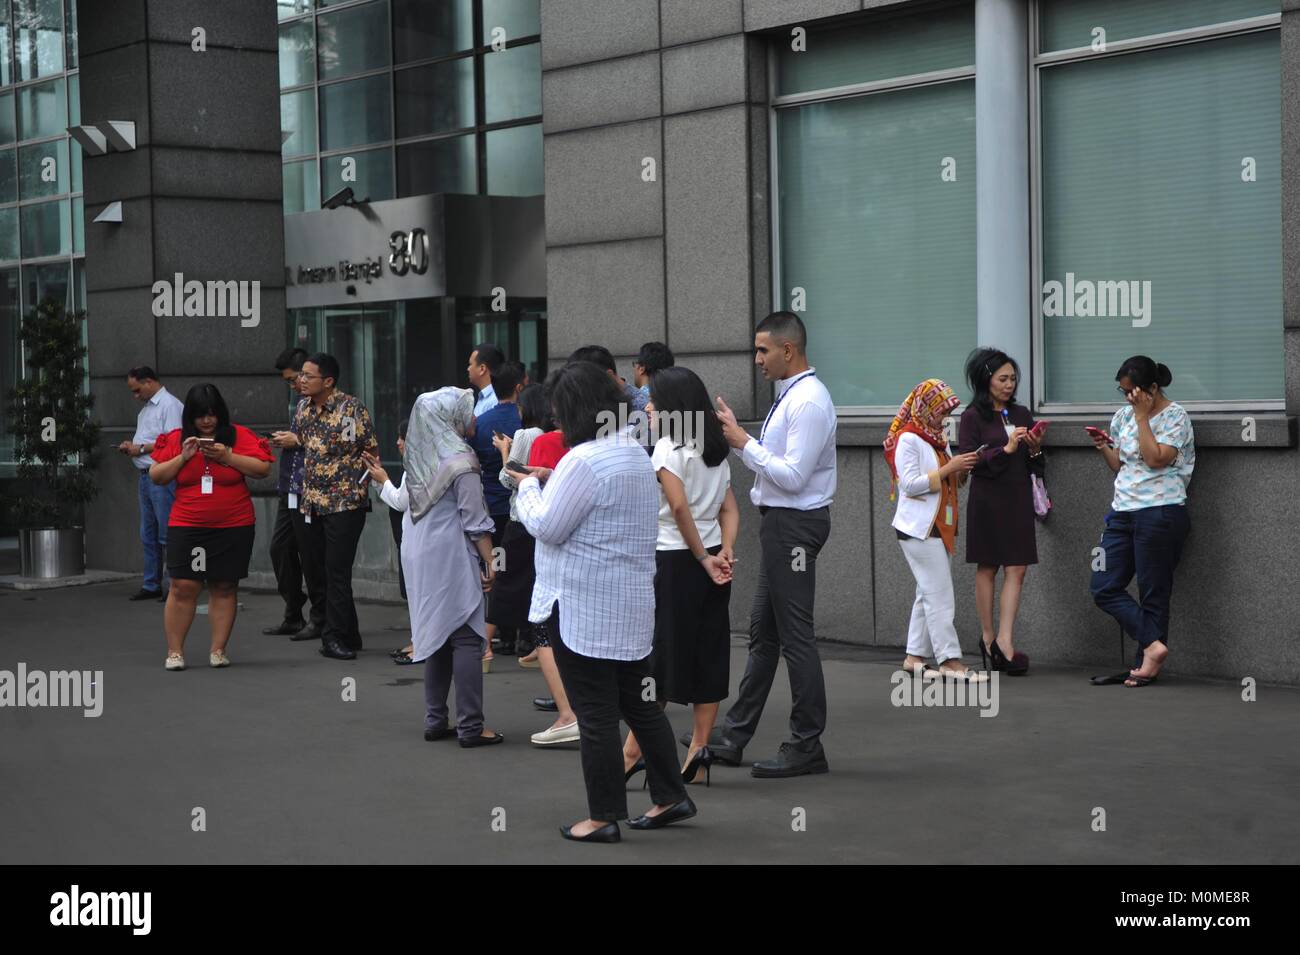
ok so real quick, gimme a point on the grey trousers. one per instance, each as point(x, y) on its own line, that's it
point(781, 625)
point(459, 659)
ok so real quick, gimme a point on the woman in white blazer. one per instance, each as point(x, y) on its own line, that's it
point(925, 521)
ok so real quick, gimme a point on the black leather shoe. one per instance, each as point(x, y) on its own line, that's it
point(143, 594)
point(681, 811)
point(482, 741)
point(284, 628)
point(726, 752)
point(791, 762)
point(609, 832)
point(715, 738)
point(546, 704)
point(433, 735)
point(336, 651)
point(309, 632)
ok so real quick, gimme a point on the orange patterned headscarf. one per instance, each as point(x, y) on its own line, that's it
point(922, 413)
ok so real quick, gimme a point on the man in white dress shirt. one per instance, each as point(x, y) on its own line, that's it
point(161, 413)
point(484, 361)
point(793, 461)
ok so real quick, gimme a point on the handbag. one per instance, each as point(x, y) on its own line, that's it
point(1042, 503)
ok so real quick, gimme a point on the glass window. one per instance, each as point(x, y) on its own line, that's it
point(49, 278)
point(74, 99)
point(7, 131)
point(8, 234)
point(38, 33)
point(1069, 24)
point(42, 110)
point(298, 118)
point(78, 226)
point(373, 170)
point(8, 176)
point(352, 40)
point(297, 49)
point(518, 17)
point(880, 243)
point(43, 169)
point(46, 229)
point(1160, 199)
point(70, 31)
point(438, 165)
point(513, 83)
point(901, 46)
point(10, 352)
point(423, 30)
point(514, 161)
point(6, 47)
point(291, 8)
point(355, 113)
point(436, 98)
point(74, 154)
point(301, 187)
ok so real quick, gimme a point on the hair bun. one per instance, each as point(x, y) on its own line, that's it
point(1164, 377)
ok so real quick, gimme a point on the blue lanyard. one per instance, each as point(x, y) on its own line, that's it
point(779, 398)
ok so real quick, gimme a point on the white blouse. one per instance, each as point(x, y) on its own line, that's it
point(918, 506)
point(706, 490)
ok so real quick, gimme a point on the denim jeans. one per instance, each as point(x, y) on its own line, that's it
point(1147, 543)
point(155, 509)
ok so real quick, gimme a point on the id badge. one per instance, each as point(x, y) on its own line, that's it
point(205, 485)
point(306, 517)
point(293, 501)
point(947, 515)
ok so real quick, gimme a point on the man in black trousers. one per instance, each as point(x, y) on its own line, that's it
point(793, 461)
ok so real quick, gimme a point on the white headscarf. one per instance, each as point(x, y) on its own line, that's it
point(436, 450)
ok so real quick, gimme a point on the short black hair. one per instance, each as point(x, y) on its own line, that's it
point(785, 327)
point(655, 356)
point(506, 379)
point(534, 409)
point(205, 399)
point(327, 363)
point(598, 355)
point(1143, 372)
point(584, 398)
point(291, 357)
point(490, 355)
point(142, 373)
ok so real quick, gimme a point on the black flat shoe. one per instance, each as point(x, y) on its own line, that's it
point(309, 632)
point(143, 594)
point(433, 735)
point(609, 832)
point(285, 628)
point(1115, 679)
point(546, 704)
point(336, 651)
point(404, 660)
point(677, 813)
point(474, 741)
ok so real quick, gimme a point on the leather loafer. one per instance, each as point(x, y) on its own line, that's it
point(336, 651)
point(143, 594)
point(473, 741)
point(285, 628)
point(609, 832)
point(433, 735)
point(727, 753)
point(546, 704)
point(677, 813)
point(309, 632)
point(791, 762)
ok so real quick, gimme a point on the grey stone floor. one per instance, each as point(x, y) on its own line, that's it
point(286, 771)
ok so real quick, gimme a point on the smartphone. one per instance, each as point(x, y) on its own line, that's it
point(980, 448)
point(1039, 427)
point(207, 441)
point(497, 434)
point(517, 468)
point(1095, 432)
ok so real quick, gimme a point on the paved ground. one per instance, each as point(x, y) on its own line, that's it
point(288, 772)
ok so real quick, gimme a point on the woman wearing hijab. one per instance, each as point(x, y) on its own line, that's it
point(926, 523)
point(447, 560)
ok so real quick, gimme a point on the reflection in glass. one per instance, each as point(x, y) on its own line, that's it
point(43, 169)
point(8, 176)
point(374, 175)
point(519, 18)
point(7, 130)
point(437, 98)
point(355, 113)
point(291, 8)
point(513, 81)
point(301, 187)
point(10, 351)
point(352, 41)
point(423, 30)
point(514, 161)
point(6, 50)
point(38, 35)
point(9, 234)
point(70, 31)
point(78, 226)
point(75, 156)
point(297, 51)
point(298, 116)
point(50, 278)
point(74, 100)
point(46, 229)
point(42, 110)
point(439, 165)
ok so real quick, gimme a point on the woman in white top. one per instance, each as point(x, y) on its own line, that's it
point(595, 526)
point(926, 523)
point(397, 503)
point(698, 521)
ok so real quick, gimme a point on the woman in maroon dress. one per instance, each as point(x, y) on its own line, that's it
point(1000, 508)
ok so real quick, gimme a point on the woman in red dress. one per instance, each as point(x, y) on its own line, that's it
point(210, 533)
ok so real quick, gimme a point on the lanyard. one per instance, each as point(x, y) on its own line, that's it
point(779, 398)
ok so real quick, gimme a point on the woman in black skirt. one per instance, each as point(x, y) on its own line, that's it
point(210, 533)
point(698, 521)
point(1000, 529)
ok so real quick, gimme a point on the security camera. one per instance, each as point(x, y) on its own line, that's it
point(344, 197)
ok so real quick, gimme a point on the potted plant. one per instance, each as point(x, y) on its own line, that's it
point(56, 445)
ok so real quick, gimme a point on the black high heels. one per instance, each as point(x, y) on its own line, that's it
point(703, 759)
point(637, 767)
point(1018, 665)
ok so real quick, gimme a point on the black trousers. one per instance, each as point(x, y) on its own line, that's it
point(334, 539)
point(600, 691)
point(286, 563)
point(313, 570)
point(781, 625)
point(395, 522)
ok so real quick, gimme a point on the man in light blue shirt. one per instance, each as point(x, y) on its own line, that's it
point(161, 413)
point(484, 361)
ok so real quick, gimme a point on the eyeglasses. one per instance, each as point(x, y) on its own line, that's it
point(303, 376)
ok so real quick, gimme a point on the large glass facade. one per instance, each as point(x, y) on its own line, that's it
point(41, 208)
